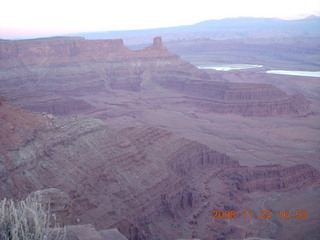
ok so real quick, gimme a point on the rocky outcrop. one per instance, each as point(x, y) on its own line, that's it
point(50, 103)
point(296, 105)
point(80, 69)
point(60, 107)
point(17, 125)
point(253, 92)
point(274, 178)
point(145, 181)
point(53, 51)
point(260, 100)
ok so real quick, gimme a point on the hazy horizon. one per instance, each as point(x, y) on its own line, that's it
point(20, 34)
point(36, 18)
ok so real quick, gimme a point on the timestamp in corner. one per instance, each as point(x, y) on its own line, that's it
point(264, 214)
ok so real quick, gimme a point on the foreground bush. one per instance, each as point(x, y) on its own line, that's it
point(27, 220)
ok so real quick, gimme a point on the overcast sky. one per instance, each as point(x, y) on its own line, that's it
point(36, 18)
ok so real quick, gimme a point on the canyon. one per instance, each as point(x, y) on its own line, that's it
point(147, 143)
point(145, 181)
point(75, 67)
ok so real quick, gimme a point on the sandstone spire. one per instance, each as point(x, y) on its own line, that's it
point(157, 45)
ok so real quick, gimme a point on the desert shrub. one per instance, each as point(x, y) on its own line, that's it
point(27, 220)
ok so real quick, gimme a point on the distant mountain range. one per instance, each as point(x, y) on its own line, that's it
point(229, 28)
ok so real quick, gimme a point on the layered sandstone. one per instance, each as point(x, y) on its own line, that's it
point(144, 181)
point(50, 103)
point(75, 65)
point(260, 100)
point(79, 69)
point(274, 177)
point(17, 125)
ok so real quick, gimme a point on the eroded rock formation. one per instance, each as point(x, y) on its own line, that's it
point(271, 178)
point(77, 68)
point(144, 181)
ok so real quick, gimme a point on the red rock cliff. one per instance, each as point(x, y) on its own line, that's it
point(78, 67)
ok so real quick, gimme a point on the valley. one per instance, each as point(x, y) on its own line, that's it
point(145, 142)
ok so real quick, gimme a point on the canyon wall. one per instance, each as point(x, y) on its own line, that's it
point(144, 181)
point(79, 69)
